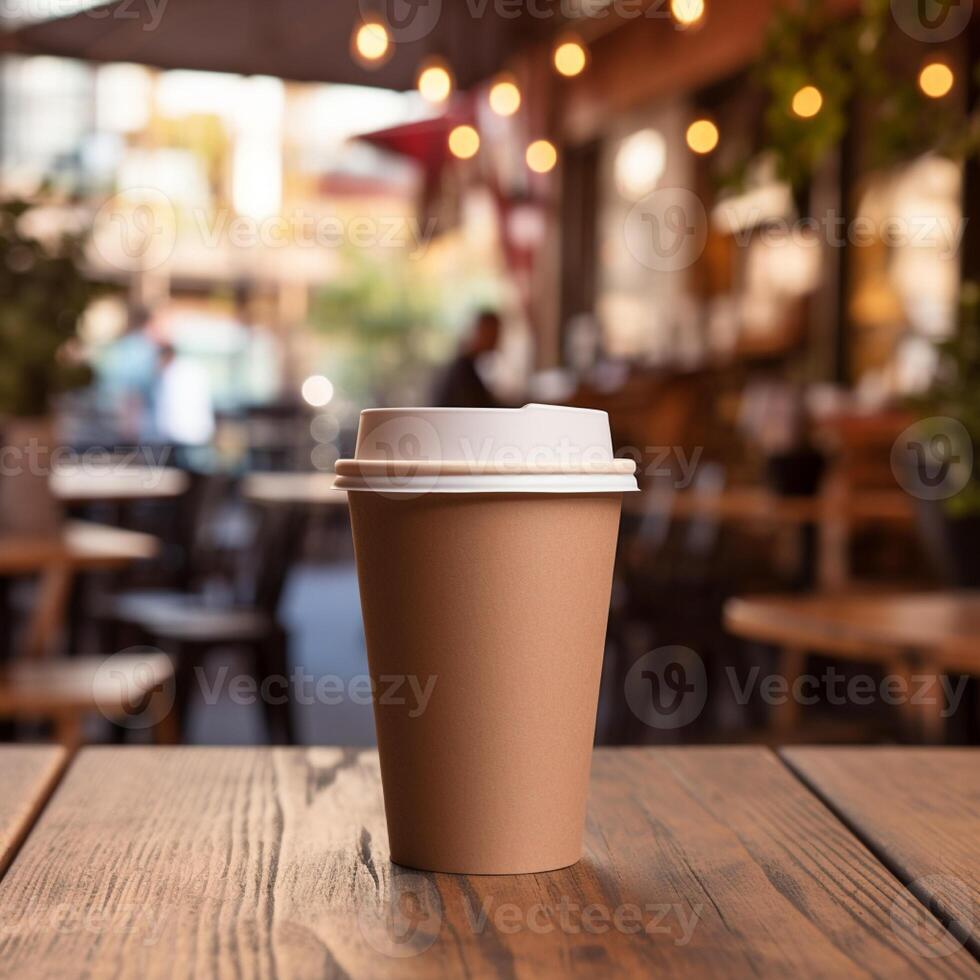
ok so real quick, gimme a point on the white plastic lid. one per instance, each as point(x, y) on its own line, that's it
point(534, 449)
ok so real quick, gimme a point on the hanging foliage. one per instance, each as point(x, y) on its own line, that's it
point(847, 60)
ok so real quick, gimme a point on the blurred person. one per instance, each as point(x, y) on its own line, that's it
point(127, 371)
point(460, 385)
point(184, 411)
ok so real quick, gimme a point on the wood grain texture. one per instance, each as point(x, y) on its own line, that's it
point(273, 862)
point(27, 773)
point(919, 811)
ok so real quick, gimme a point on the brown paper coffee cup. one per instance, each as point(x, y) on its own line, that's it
point(485, 542)
point(495, 606)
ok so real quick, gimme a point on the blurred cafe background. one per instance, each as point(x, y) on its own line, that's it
point(749, 231)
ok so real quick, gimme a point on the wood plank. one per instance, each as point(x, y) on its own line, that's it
point(919, 811)
point(262, 862)
point(27, 775)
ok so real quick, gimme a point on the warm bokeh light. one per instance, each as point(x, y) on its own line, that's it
point(317, 390)
point(541, 156)
point(807, 102)
point(372, 41)
point(570, 57)
point(435, 83)
point(464, 142)
point(686, 12)
point(702, 136)
point(505, 96)
point(936, 80)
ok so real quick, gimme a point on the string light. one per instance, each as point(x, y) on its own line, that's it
point(435, 82)
point(807, 102)
point(702, 136)
point(686, 13)
point(541, 156)
point(464, 142)
point(505, 96)
point(371, 41)
point(936, 80)
point(570, 57)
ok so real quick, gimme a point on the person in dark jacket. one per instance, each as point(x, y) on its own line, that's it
point(460, 384)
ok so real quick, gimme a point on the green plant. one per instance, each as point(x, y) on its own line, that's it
point(383, 326)
point(853, 62)
point(956, 391)
point(43, 293)
point(806, 45)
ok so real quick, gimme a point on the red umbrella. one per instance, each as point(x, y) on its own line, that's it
point(425, 141)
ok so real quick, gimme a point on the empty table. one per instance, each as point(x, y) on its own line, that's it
point(117, 484)
point(930, 632)
point(314, 489)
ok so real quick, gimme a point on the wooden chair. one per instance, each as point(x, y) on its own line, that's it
point(65, 692)
point(191, 626)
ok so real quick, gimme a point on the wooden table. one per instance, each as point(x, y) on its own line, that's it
point(919, 811)
point(705, 862)
point(29, 775)
point(293, 488)
point(117, 484)
point(759, 504)
point(930, 633)
point(832, 515)
point(81, 547)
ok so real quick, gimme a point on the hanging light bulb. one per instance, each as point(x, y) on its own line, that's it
point(435, 81)
point(807, 102)
point(702, 136)
point(570, 56)
point(505, 96)
point(936, 80)
point(686, 13)
point(371, 42)
point(464, 142)
point(541, 156)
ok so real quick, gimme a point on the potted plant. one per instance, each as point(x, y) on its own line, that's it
point(940, 451)
point(43, 294)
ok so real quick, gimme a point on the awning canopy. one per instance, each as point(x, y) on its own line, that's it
point(425, 141)
point(300, 40)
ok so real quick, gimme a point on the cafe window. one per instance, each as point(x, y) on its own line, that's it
point(643, 301)
point(905, 258)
